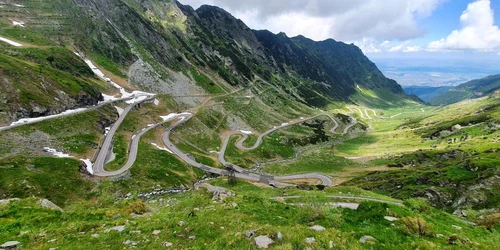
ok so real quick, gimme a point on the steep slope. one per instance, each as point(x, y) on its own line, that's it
point(472, 89)
point(156, 45)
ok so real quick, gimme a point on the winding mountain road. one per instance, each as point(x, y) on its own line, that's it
point(239, 172)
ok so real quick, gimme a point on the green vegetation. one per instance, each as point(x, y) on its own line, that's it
point(252, 211)
point(56, 179)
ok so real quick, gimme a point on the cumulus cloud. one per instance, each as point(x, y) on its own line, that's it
point(370, 45)
point(478, 30)
point(339, 19)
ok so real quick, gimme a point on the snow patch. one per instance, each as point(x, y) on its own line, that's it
point(36, 119)
point(161, 148)
point(19, 5)
point(106, 130)
point(174, 115)
point(246, 132)
point(156, 102)
point(108, 98)
point(119, 110)
point(15, 23)
point(88, 165)
point(123, 92)
point(284, 124)
point(357, 86)
point(137, 99)
point(54, 152)
point(3, 39)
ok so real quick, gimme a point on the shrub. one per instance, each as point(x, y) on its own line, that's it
point(417, 226)
point(417, 204)
point(137, 207)
point(490, 221)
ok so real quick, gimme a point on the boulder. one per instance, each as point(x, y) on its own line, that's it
point(390, 218)
point(156, 232)
point(117, 229)
point(10, 244)
point(279, 236)
point(7, 201)
point(219, 193)
point(367, 239)
point(317, 228)
point(263, 241)
point(456, 127)
point(49, 204)
point(167, 244)
point(310, 240)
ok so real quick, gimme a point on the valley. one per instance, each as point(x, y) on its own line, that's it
point(152, 125)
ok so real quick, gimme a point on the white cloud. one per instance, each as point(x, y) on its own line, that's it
point(370, 45)
point(478, 31)
point(339, 19)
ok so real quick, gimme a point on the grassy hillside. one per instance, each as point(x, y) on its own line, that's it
point(471, 89)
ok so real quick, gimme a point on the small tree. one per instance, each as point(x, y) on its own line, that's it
point(51, 59)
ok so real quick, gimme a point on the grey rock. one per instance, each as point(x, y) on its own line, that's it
point(250, 233)
point(181, 223)
point(330, 244)
point(367, 239)
point(95, 235)
point(192, 237)
point(279, 236)
point(49, 204)
point(390, 218)
point(310, 240)
point(167, 244)
point(156, 232)
point(7, 201)
point(117, 228)
point(10, 244)
point(456, 227)
point(317, 228)
point(263, 241)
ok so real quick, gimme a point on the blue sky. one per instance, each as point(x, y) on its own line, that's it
point(447, 18)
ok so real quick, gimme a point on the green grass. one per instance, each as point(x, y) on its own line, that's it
point(205, 82)
point(321, 161)
point(254, 210)
point(56, 179)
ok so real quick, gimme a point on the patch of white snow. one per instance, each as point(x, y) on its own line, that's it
point(89, 165)
point(3, 39)
point(54, 152)
point(119, 110)
point(246, 132)
point(16, 23)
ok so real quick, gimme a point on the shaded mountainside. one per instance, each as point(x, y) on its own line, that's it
point(152, 44)
point(472, 89)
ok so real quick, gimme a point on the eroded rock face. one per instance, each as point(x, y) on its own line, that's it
point(219, 193)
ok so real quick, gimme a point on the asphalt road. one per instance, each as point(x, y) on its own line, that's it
point(104, 150)
point(239, 172)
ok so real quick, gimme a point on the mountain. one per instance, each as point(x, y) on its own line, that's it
point(425, 92)
point(151, 43)
point(472, 89)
